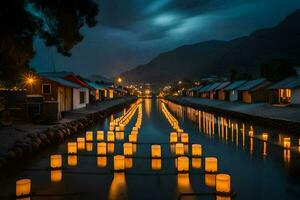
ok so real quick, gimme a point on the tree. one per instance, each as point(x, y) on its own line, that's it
point(277, 70)
point(57, 22)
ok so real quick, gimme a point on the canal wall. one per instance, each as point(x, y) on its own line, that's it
point(286, 119)
point(73, 123)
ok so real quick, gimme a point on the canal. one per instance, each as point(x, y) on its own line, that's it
point(259, 166)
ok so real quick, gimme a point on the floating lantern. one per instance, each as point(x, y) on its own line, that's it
point(111, 128)
point(196, 150)
point(110, 148)
point(132, 138)
point(101, 161)
point(72, 160)
point(101, 148)
point(72, 147)
point(155, 151)
point(23, 187)
point(173, 137)
point(56, 175)
point(110, 136)
point(89, 136)
point(117, 128)
point(223, 183)
point(210, 180)
point(128, 163)
point(265, 136)
point(81, 143)
point(211, 164)
point(156, 164)
point(184, 138)
point(135, 128)
point(127, 149)
point(119, 163)
point(119, 135)
point(182, 164)
point(134, 132)
point(100, 135)
point(112, 123)
point(179, 149)
point(122, 127)
point(196, 163)
point(179, 130)
point(251, 133)
point(89, 146)
point(287, 143)
point(55, 161)
point(220, 197)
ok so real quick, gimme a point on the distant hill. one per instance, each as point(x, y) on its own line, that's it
point(244, 54)
point(100, 78)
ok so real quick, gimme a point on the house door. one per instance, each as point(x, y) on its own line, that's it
point(61, 99)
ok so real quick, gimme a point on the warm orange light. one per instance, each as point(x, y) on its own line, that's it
point(110, 136)
point(23, 187)
point(80, 143)
point(119, 163)
point(179, 149)
point(155, 151)
point(156, 164)
point(89, 146)
point(128, 163)
point(223, 183)
point(210, 180)
point(182, 164)
point(287, 142)
point(56, 175)
point(110, 148)
point(196, 150)
point(72, 147)
point(89, 136)
point(55, 161)
point(101, 148)
point(251, 133)
point(196, 163)
point(173, 137)
point(122, 127)
point(132, 138)
point(184, 138)
point(127, 149)
point(119, 135)
point(211, 164)
point(100, 135)
point(135, 128)
point(72, 160)
point(265, 136)
point(101, 161)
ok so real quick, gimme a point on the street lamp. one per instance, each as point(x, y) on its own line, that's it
point(119, 80)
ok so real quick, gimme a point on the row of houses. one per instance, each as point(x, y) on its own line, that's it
point(284, 92)
point(49, 95)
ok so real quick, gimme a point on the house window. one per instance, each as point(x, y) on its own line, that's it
point(46, 88)
point(82, 97)
point(285, 95)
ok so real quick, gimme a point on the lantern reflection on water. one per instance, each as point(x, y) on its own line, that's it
point(128, 163)
point(156, 164)
point(210, 180)
point(100, 135)
point(81, 143)
point(72, 160)
point(182, 164)
point(132, 138)
point(183, 182)
point(218, 197)
point(127, 149)
point(265, 136)
point(101, 161)
point(110, 148)
point(118, 188)
point(101, 148)
point(23, 187)
point(110, 136)
point(155, 151)
point(55, 161)
point(179, 149)
point(119, 163)
point(72, 147)
point(119, 135)
point(184, 138)
point(56, 175)
point(287, 142)
point(211, 164)
point(173, 137)
point(223, 183)
point(196, 150)
point(196, 163)
point(89, 146)
point(89, 136)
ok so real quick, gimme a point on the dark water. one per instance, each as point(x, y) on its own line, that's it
point(258, 169)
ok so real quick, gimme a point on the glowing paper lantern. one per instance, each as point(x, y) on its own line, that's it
point(223, 183)
point(122, 127)
point(134, 132)
point(185, 138)
point(265, 136)
point(135, 128)
point(196, 150)
point(127, 149)
point(128, 163)
point(72, 160)
point(156, 164)
point(156, 151)
point(111, 148)
point(132, 138)
point(89, 136)
point(101, 161)
point(56, 175)
point(72, 147)
point(196, 163)
point(119, 163)
point(89, 146)
point(55, 161)
point(110, 136)
point(23, 187)
point(173, 137)
point(287, 143)
point(182, 164)
point(111, 128)
point(179, 149)
point(117, 128)
point(81, 143)
point(119, 135)
point(101, 148)
point(100, 135)
point(211, 164)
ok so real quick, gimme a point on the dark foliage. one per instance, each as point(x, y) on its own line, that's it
point(57, 22)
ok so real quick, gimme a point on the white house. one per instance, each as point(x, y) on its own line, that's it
point(231, 91)
point(80, 97)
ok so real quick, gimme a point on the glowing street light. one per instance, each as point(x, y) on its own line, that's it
point(119, 80)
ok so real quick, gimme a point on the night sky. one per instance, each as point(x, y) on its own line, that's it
point(132, 32)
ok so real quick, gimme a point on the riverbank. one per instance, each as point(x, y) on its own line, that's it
point(24, 139)
point(282, 118)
